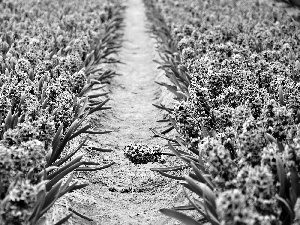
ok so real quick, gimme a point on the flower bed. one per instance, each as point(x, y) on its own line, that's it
point(235, 67)
point(51, 54)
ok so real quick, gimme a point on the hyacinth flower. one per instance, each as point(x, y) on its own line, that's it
point(142, 154)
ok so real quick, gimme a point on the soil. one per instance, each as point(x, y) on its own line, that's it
point(126, 193)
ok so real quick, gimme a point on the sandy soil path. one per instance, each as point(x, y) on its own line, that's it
point(125, 193)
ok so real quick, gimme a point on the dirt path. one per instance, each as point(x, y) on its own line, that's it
point(125, 193)
point(134, 92)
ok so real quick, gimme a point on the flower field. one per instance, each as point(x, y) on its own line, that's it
point(53, 55)
point(234, 71)
point(229, 138)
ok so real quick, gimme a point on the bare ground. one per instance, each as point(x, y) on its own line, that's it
point(126, 193)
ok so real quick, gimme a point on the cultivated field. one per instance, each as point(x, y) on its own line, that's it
point(149, 112)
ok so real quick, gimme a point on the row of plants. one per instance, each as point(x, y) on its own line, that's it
point(234, 71)
point(53, 64)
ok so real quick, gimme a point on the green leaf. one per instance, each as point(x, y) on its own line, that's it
point(84, 116)
point(297, 64)
point(162, 136)
point(86, 163)
point(51, 197)
point(293, 196)
point(288, 208)
point(30, 174)
point(56, 139)
point(66, 185)
point(1, 188)
point(189, 158)
point(45, 103)
point(41, 196)
point(282, 176)
point(85, 89)
point(98, 149)
point(46, 171)
point(67, 157)
point(40, 84)
point(98, 95)
point(178, 153)
point(98, 88)
point(202, 190)
point(8, 120)
point(295, 181)
point(97, 132)
point(210, 210)
point(179, 216)
point(88, 57)
point(185, 207)
point(14, 121)
point(167, 130)
point(280, 146)
point(63, 220)
point(81, 131)
point(80, 215)
point(99, 107)
point(166, 169)
point(199, 206)
point(173, 89)
point(62, 174)
point(48, 156)
point(270, 138)
point(77, 187)
point(281, 100)
point(41, 221)
point(94, 81)
point(61, 169)
point(56, 152)
point(94, 168)
point(163, 108)
point(170, 176)
point(83, 108)
point(173, 123)
point(200, 177)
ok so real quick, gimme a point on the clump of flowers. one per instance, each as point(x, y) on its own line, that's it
point(78, 81)
point(184, 121)
point(219, 161)
point(258, 184)
point(142, 153)
point(29, 155)
point(235, 208)
point(21, 133)
point(277, 120)
point(16, 207)
point(251, 144)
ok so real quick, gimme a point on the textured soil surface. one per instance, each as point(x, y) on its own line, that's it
point(126, 193)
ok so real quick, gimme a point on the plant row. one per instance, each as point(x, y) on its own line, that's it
point(53, 57)
point(234, 71)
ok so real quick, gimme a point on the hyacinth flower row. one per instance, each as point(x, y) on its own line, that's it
point(234, 71)
point(51, 54)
